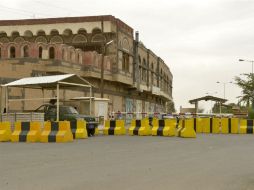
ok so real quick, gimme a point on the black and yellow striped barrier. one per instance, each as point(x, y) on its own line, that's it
point(246, 126)
point(164, 127)
point(140, 127)
point(56, 132)
point(5, 131)
point(78, 129)
point(187, 129)
point(26, 132)
point(114, 127)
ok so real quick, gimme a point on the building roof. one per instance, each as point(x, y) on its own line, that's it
point(66, 20)
point(49, 82)
point(206, 98)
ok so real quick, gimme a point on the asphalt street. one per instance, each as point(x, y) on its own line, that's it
point(209, 162)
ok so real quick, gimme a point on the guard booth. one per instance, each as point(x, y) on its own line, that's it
point(98, 107)
point(206, 98)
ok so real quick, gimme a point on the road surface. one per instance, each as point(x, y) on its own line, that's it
point(209, 162)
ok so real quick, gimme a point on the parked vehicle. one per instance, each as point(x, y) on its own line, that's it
point(67, 113)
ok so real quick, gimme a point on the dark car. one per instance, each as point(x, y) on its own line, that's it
point(67, 113)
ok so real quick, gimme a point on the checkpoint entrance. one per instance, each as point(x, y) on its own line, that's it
point(206, 98)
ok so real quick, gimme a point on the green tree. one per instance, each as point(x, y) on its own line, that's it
point(224, 108)
point(247, 86)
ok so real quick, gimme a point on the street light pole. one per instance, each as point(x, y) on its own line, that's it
point(251, 61)
point(224, 87)
point(104, 48)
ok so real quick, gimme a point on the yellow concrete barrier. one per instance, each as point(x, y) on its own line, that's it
point(78, 129)
point(114, 127)
point(198, 125)
point(180, 126)
point(96, 131)
point(180, 123)
point(246, 126)
point(187, 130)
point(5, 131)
point(165, 127)
point(229, 125)
point(211, 125)
point(140, 127)
point(215, 125)
point(57, 132)
point(206, 122)
point(26, 132)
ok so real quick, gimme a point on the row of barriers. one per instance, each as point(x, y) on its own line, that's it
point(62, 131)
point(160, 127)
point(65, 131)
point(183, 127)
point(222, 125)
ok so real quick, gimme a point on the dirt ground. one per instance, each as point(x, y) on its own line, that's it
point(209, 162)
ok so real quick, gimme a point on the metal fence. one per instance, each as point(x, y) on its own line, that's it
point(13, 117)
point(128, 116)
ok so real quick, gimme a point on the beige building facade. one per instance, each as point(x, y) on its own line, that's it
point(102, 49)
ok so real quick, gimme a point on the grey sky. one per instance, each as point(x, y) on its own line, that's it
point(201, 41)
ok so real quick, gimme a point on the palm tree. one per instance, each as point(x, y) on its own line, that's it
point(247, 86)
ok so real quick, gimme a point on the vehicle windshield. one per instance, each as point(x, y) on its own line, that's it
point(68, 110)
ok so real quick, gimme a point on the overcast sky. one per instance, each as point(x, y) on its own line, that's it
point(200, 40)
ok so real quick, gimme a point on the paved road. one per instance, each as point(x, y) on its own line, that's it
point(209, 162)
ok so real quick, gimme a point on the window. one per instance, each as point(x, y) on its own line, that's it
point(12, 52)
point(25, 51)
point(79, 58)
point(144, 71)
point(63, 54)
point(125, 66)
point(140, 73)
point(71, 56)
point(40, 52)
point(51, 53)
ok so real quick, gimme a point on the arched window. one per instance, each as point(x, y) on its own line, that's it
point(12, 52)
point(40, 52)
point(51, 53)
point(25, 51)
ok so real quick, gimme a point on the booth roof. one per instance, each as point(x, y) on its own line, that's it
point(48, 81)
